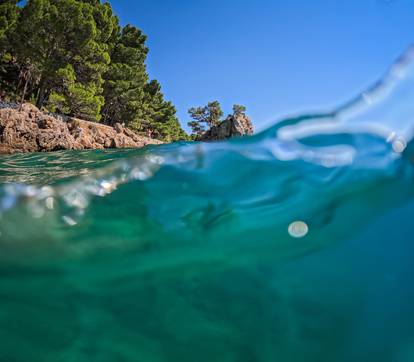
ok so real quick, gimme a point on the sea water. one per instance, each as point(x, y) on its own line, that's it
point(294, 245)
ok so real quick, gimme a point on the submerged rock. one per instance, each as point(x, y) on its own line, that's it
point(30, 130)
point(233, 126)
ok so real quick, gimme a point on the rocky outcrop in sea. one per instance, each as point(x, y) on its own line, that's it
point(27, 129)
point(233, 126)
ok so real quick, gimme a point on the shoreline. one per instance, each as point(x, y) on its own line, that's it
point(27, 129)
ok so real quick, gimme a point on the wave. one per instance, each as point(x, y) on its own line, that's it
point(294, 244)
point(224, 197)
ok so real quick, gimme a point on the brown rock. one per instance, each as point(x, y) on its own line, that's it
point(233, 126)
point(118, 127)
point(29, 108)
point(29, 130)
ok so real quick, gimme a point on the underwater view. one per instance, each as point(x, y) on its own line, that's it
point(295, 244)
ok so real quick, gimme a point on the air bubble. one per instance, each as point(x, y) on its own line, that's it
point(298, 229)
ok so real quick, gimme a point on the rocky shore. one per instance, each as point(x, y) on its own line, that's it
point(29, 130)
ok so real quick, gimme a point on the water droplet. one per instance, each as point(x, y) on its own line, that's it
point(399, 145)
point(298, 229)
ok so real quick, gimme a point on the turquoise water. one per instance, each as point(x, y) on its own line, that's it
point(292, 245)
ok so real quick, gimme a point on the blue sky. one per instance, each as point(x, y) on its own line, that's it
point(276, 57)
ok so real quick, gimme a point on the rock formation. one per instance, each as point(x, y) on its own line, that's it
point(30, 130)
point(233, 126)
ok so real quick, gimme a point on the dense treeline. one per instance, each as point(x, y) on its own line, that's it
point(73, 57)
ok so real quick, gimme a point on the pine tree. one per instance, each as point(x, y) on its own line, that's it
point(159, 115)
point(130, 98)
point(238, 110)
point(126, 78)
point(9, 13)
point(55, 34)
point(207, 116)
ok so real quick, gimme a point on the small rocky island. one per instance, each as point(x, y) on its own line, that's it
point(235, 125)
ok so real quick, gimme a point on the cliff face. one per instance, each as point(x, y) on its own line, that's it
point(232, 126)
point(30, 130)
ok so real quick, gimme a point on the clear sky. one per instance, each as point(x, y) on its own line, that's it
point(277, 57)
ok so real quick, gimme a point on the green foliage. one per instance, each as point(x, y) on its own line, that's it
point(126, 77)
point(238, 109)
point(9, 13)
point(158, 116)
point(197, 127)
point(8, 16)
point(208, 115)
point(76, 98)
point(55, 34)
point(166, 124)
point(72, 56)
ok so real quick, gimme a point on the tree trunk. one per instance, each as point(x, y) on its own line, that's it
point(24, 92)
point(41, 95)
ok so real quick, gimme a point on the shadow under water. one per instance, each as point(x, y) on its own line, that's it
point(291, 245)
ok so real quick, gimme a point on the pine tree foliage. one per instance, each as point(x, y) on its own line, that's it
point(205, 117)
